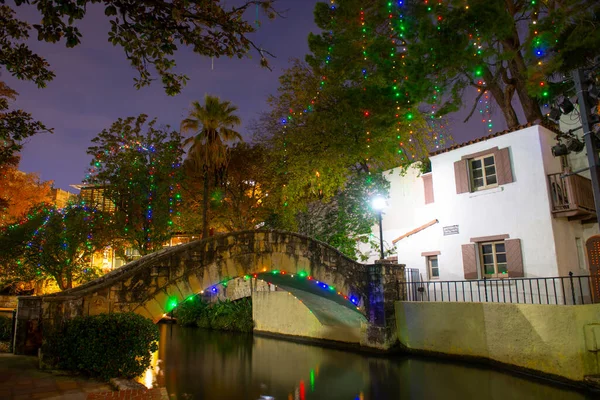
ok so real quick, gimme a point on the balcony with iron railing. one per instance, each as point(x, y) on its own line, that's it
point(572, 196)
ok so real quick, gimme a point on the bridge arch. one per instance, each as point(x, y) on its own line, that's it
point(150, 285)
point(147, 285)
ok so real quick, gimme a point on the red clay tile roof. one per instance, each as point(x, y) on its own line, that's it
point(547, 125)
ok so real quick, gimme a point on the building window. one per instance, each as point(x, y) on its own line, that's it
point(432, 267)
point(493, 259)
point(483, 172)
point(580, 253)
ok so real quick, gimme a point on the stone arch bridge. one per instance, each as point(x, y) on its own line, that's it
point(330, 284)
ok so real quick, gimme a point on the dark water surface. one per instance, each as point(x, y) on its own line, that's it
point(196, 364)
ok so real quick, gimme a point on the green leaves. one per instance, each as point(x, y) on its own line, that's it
point(54, 244)
point(110, 10)
point(147, 30)
point(222, 315)
point(138, 166)
point(106, 345)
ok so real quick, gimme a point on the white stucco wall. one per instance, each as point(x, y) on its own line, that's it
point(520, 209)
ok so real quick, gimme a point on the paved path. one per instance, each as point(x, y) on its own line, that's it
point(21, 379)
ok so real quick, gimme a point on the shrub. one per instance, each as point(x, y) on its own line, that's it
point(223, 315)
point(188, 312)
point(5, 328)
point(106, 345)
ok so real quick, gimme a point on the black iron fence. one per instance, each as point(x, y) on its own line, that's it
point(567, 290)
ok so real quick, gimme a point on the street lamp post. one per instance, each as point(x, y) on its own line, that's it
point(378, 205)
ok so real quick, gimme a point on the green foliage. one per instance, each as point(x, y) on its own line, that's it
point(347, 219)
point(504, 47)
point(223, 315)
point(53, 243)
point(5, 328)
point(139, 167)
point(15, 126)
point(107, 345)
point(342, 114)
point(242, 203)
point(150, 32)
point(190, 311)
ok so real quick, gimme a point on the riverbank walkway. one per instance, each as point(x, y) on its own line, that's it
point(20, 378)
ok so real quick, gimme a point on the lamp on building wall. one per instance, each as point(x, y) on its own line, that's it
point(566, 106)
point(560, 149)
point(378, 203)
point(555, 114)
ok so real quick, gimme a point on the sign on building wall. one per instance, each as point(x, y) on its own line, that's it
point(450, 230)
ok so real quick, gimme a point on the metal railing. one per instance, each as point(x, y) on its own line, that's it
point(563, 290)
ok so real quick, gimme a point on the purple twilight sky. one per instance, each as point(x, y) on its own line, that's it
point(94, 86)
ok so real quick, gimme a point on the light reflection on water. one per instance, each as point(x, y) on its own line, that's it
point(196, 364)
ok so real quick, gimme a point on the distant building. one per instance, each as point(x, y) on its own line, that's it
point(60, 198)
point(94, 195)
point(107, 259)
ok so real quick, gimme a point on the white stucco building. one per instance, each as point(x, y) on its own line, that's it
point(501, 206)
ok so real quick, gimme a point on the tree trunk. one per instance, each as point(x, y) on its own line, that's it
point(69, 279)
point(60, 282)
point(531, 108)
point(205, 205)
point(503, 99)
point(518, 72)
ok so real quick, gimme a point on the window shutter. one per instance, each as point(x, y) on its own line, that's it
point(503, 166)
point(593, 256)
point(461, 175)
point(428, 186)
point(469, 260)
point(514, 258)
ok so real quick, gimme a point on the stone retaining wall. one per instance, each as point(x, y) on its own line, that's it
point(562, 341)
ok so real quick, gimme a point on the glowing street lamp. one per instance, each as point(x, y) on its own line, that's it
point(378, 204)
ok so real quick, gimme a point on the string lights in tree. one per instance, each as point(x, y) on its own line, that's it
point(540, 45)
point(138, 168)
point(57, 243)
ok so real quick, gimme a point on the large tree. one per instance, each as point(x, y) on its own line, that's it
point(241, 202)
point(139, 167)
point(19, 192)
point(318, 143)
point(436, 52)
point(212, 125)
point(53, 243)
point(507, 49)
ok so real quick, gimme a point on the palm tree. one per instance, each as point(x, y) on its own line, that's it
point(212, 125)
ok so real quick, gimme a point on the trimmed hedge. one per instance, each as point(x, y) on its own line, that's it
point(106, 345)
point(5, 328)
point(223, 315)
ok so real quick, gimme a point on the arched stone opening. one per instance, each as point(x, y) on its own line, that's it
point(329, 305)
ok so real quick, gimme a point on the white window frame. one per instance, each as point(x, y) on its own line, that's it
point(428, 260)
point(496, 274)
point(484, 175)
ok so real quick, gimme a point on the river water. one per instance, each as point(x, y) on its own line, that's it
point(195, 364)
